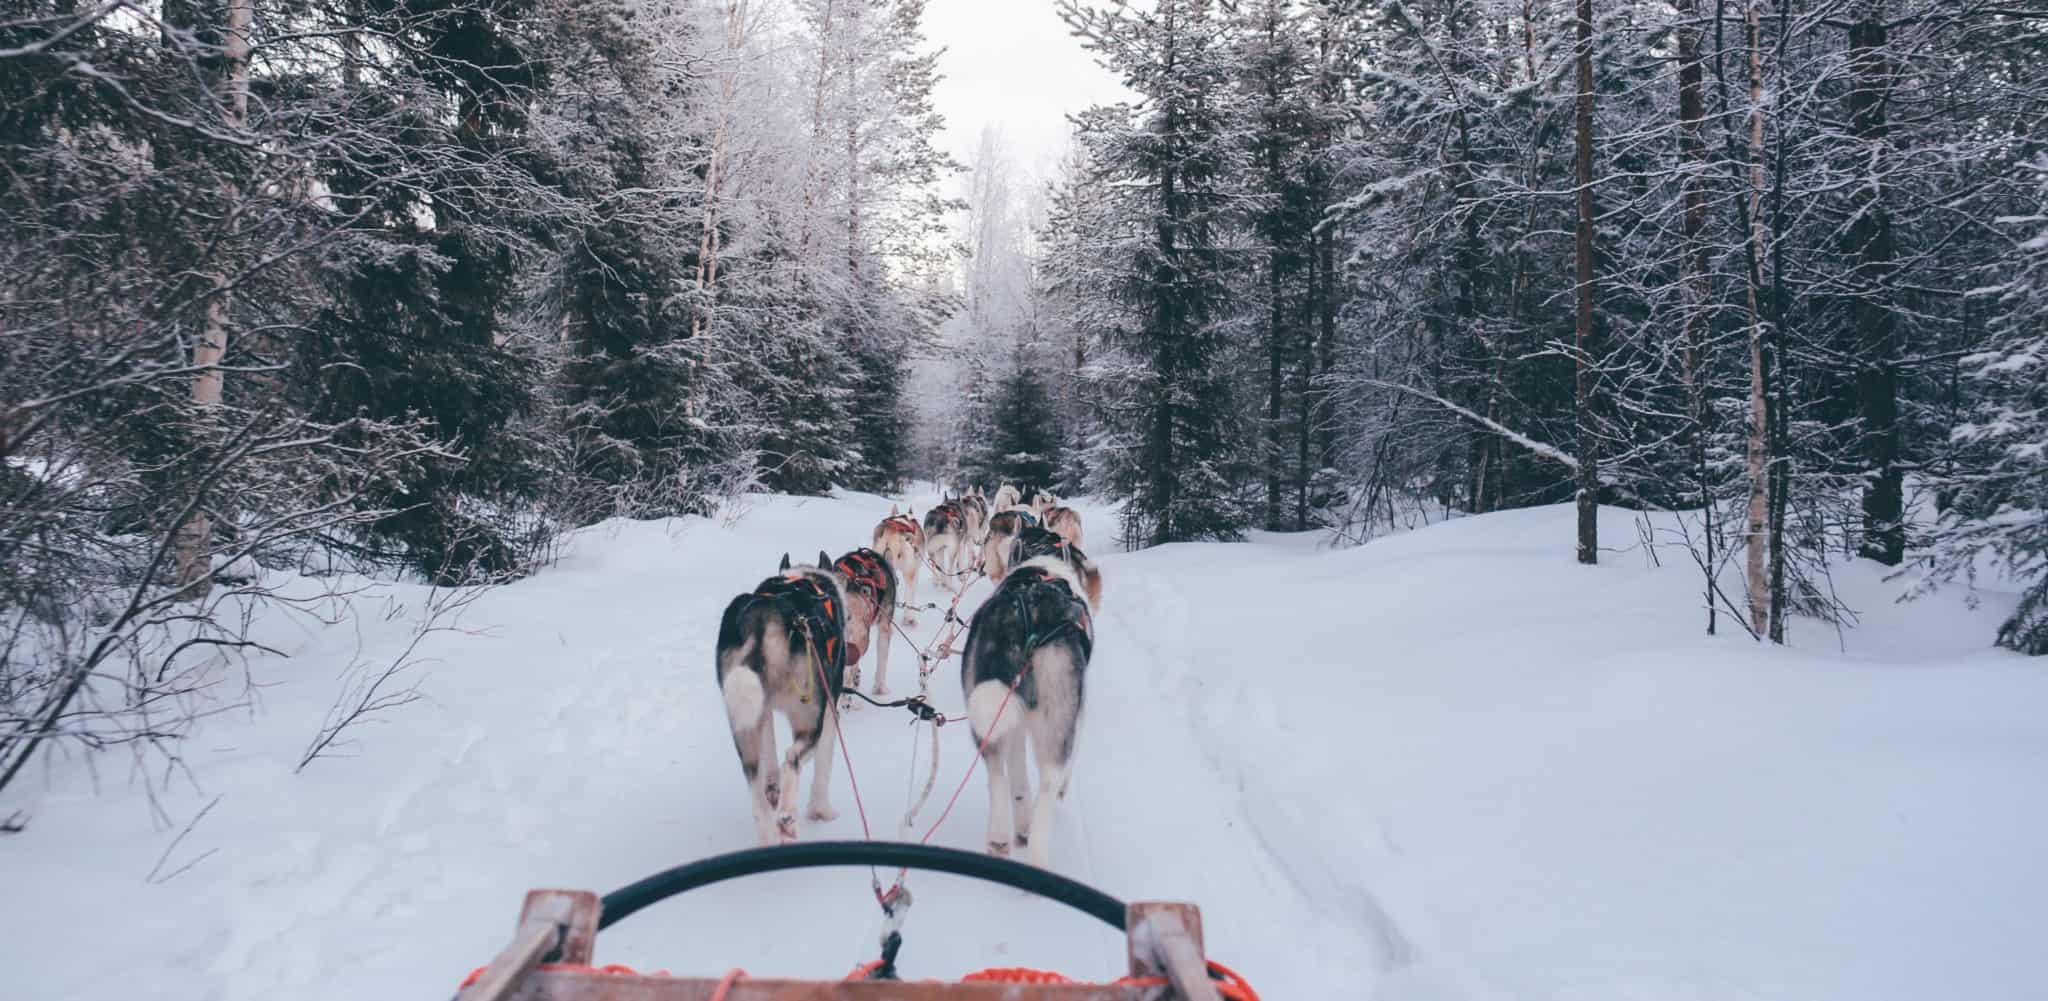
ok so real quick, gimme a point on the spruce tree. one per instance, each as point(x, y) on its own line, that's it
point(1173, 447)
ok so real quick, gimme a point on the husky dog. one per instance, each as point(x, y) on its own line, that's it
point(870, 586)
point(947, 543)
point(975, 507)
point(781, 648)
point(900, 540)
point(1039, 501)
point(1026, 653)
point(1067, 522)
point(1037, 543)
point(1002, 528)
point(1006, 498)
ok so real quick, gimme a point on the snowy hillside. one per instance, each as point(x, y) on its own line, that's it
point(1371, 789)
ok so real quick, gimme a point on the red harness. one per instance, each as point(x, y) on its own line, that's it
point(903, 524)
point(865, 570)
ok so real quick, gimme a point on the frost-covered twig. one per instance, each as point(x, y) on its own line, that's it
point(368, 693)
point(173, 847)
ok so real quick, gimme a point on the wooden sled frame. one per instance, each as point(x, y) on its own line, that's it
point(561, 926)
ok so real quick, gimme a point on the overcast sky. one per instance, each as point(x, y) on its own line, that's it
point(1012, 64)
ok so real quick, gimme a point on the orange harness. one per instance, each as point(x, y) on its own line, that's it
point(791, 590)
point(902, 524)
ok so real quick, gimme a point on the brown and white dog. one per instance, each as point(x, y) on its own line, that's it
point(870, 585)
point(782, 649)
point(900, 540)
point(1040, 502)
point(1067, 522)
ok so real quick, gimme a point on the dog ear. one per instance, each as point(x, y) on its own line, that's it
point(892, 511)
point(824, 560)
point(785, 562)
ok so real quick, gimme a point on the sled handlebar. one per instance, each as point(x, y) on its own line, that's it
point(627, 900)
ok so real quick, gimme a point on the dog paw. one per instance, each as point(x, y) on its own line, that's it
point(822, 812)
point(1000, 849)
point(881, 691)
point(1023, 838)
point(785, 826)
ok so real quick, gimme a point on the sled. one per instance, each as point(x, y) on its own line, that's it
point(550, 956)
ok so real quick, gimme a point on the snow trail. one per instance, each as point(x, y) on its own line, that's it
point(1369, 793)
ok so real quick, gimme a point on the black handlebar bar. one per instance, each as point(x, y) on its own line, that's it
point(623, 902)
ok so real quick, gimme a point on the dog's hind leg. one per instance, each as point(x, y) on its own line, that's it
point(757, 762)
point(820, 744)
point(991, 724)
point(788, 779)
point(1020, 786)
point(753, 736)
point(996, 760)
point(886, 625)
point(1053, 772)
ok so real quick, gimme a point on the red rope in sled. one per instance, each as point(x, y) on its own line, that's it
point(1230, 984)
point(725, 983)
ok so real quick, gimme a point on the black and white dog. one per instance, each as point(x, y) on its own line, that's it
point(1027, 653)
point(1003, 528)
point(782, 648)
point(1032, 543)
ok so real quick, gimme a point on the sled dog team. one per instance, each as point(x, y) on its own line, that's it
point(794, 643)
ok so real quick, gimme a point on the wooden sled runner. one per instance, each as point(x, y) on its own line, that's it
point(550, 956)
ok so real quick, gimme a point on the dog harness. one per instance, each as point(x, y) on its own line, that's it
point(865, 570)
point(813, 607)
point(1018, 587)
point(1049, 543)
point(901, 523)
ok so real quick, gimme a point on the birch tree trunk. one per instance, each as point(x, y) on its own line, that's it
point(1755, 525)
point(1589, 446)
point(193, 544)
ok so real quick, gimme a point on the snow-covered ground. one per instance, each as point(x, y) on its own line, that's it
point(1450, 764)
